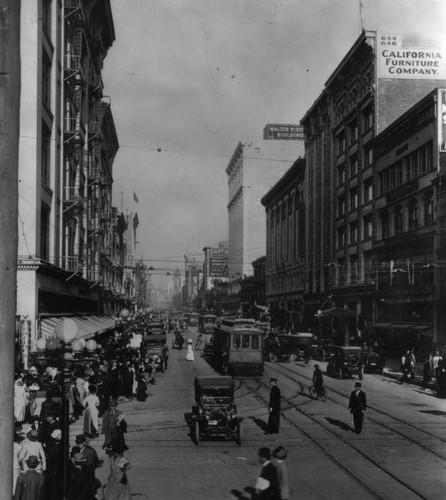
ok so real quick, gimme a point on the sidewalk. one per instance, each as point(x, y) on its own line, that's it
point(392, 370)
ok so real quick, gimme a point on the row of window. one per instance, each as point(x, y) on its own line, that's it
point(405, 218)
point(411, 166)
point(352, 202)
point(350, 135)
point(352, 166)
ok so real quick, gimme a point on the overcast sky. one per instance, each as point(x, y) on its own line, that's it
point(188, 79)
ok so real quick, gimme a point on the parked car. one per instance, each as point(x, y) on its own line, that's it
point(214, 412)
point(344, 361)
point(372, 362)
point(288, 346)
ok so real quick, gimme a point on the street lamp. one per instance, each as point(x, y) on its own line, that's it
point(66, 348)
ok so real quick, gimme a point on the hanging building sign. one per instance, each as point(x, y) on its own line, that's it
point(279, 132)
point(397, 61)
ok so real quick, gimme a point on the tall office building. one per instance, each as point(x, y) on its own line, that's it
point(252, 171)
point(68, 141)
point(379, 79)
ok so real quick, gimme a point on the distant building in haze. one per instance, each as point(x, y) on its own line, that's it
point(252, 171)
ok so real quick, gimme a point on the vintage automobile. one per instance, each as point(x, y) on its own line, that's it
point(154, 345)
point(344, 361)
point(178, 340)
point(372, 362)
point(214, 412)
point(288, 346)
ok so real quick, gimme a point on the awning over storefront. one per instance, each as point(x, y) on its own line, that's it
point(88, 325)
point(337, 312)
point(401, 326)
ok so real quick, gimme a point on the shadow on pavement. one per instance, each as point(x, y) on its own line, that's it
point(338, 423)
point(239, 494)
point(260, 423)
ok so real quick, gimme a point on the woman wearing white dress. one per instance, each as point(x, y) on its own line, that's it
point(91, 413)
point(20, 400)
point(190, 351)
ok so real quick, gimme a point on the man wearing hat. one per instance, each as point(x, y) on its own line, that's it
point(31, 446)
point(274, 408)
point(357, 406)
point(30, 484)
point(89, 454)
point(78, 484)
point(278, 460)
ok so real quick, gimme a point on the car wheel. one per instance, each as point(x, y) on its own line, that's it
point(238, 434)
point(339, 373)
point(272, 357)
point(197, 432)
point(292, 358)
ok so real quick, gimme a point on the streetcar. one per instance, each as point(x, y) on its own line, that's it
point(238, 347)
point(192, 318)
point(206, 323)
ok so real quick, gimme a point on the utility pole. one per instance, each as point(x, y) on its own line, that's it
point(9, 145)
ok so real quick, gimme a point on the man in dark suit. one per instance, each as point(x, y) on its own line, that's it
point(357, 406)
point(274, 408)
point(30, 484)
point(91, 457)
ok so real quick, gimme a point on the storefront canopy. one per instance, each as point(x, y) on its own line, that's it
point(88, 325)
point(337, 312)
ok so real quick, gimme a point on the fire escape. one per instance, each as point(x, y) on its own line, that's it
point(74, 181)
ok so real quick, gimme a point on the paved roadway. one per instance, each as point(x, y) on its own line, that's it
point(401, 453)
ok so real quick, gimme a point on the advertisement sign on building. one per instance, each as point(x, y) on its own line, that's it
point(218, 263)
point(442, 118)
point(283, 132)
point(397, 61)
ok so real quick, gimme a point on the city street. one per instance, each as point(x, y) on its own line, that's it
point(400, 453)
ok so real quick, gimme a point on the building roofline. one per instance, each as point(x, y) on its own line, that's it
point(298, 167)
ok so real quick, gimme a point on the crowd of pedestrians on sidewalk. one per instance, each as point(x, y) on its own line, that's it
point(91, 389)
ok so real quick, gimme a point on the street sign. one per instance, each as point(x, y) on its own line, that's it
point(279, 132)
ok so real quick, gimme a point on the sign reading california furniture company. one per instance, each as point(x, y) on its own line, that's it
point(397, 61)
point(283, 132)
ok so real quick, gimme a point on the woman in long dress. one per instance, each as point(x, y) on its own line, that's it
point(117, 487)
point(20, 400)
point(190, 351)
point(91, 413)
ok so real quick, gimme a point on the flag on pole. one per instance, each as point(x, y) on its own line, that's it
point(135, 198)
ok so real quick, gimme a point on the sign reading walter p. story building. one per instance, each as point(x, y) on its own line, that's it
point(397, 61)
point(283, 132)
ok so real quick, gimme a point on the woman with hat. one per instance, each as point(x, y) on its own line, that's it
point(190, 351)
point(117, 487)
point(20, 400)
point(91, 413)
point(32, 446)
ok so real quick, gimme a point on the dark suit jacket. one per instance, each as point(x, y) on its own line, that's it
point(29, 486)
point(274, 399)
point(358, 403)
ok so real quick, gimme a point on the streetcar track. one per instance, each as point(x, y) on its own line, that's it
point(335, 460)
point(378, 422)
